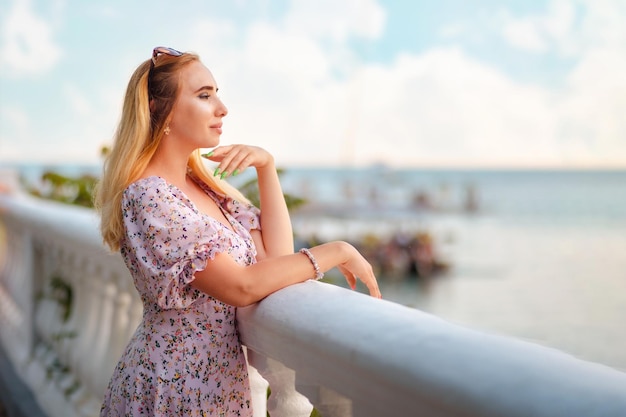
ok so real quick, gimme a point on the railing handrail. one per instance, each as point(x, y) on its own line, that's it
point(394, 358)
point(384, 358)
point(63, 220)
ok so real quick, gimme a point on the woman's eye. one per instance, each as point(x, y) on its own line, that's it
point(204, 96)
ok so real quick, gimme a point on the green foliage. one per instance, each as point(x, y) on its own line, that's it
point(57, 187)
point(62, 293)
point(250, 189)
point(79, 190)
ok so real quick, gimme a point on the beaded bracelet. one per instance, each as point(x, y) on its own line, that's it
point(318, 273)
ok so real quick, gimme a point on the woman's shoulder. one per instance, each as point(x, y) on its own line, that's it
point(149, 188)
point(149, 181)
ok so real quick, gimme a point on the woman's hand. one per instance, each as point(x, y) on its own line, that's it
point(275, 237)
point(357, 267)
point(234, 159)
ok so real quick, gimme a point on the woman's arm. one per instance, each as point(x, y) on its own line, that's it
point(276, 235)
point(239, 285)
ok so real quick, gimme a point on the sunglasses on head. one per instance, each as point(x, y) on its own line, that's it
point(163, 50)
point(156, 52)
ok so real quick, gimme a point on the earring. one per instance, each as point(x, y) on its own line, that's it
point(167, 130)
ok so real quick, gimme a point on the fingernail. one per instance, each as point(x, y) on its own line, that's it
point(217, 171)
point(224, 174)
point(235, 172)
point(207, 155)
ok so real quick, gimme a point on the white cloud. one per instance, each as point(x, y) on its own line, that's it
point(542, 32)
point(593, 106)
point(440, 107)
point(86, 125)
point(444, 108)
point(27, 45)
point(279, 79)
point(285, 54)
point(94, 114)
point(568, 27)
point(299, 91)
point(15, 117)
point(15, 132)
point(336, 20)
point(579, 122)
point(526, 34)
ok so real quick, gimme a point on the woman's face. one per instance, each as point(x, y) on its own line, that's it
point(197, 114)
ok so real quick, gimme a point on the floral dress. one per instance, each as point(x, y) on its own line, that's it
point(185, 358)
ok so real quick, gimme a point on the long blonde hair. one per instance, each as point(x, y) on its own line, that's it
point(150, 97)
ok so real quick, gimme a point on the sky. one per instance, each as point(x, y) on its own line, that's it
point(448, 83)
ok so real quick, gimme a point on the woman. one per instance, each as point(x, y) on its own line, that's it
point(194, 246)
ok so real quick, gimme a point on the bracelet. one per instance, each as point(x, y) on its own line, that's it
point(318, 273)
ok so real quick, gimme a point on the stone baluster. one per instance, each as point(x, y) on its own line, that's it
point(23, 293)
point(85, 312)
point(84, 320)
point(99, 293)
point(35, 371)
point(326, 401)
point(51, 372)
point(100, 371)
point(18, 257)
point(48, 315)
point(10, 316)
point(119, 323)
point(75, 274)
point(284, 400)
point(18, 285)
point(91, 300)
point(258, 387)
point(133, 307)
point(68, 271)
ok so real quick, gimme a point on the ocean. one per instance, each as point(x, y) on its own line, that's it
point(538, 255)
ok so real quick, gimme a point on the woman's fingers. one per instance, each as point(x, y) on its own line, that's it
point(372, 287)
point(234, 159)
point(350, 277)
point(367, 277)
point(370, 282)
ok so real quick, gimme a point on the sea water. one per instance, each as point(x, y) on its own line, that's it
point(538, 255)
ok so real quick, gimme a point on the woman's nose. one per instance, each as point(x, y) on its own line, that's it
point(221, 109)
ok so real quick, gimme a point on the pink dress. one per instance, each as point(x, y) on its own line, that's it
point(185, 358)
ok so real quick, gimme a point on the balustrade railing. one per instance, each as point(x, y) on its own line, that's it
point(68, 307)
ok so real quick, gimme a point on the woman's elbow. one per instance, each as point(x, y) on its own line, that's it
point(245, 294)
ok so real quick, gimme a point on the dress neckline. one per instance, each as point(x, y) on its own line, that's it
point(235, 226)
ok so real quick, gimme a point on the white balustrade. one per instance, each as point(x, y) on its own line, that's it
point(316, 344)
point(16, 296)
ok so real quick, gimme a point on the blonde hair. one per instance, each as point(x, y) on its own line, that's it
point(149, 99)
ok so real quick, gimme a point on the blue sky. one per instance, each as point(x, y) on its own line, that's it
point(451, 83)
